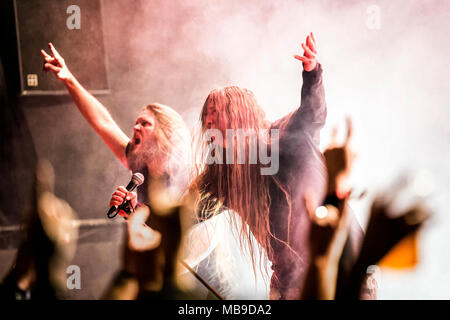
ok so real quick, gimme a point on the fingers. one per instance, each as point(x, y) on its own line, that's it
point(49, 60)
point(309, 58)
point(115, 201)
point(56, 54)
point(52, 61)
point(301, 58)
point(123, 214)
point(52, 67)
point(131, 196)
point(349, 131)
point(313, 40)
point(334, 138)
point(310, 43)
point(123, 192)
point(308, 52)
point(122, 189)
point(46, 55)
point(334, 135)
point(54, 51)
point(120, 195)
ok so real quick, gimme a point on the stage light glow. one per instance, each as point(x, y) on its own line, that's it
point(321, 212)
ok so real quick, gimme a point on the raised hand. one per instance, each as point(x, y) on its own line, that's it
point(56, 64)
point(339, 160)
point(330, 222)
point(309, 57)
point(388, 226)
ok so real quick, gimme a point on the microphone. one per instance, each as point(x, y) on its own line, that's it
point(136, 180)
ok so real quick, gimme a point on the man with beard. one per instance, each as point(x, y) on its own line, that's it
point(159, 148)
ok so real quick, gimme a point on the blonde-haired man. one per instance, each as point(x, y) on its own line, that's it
point(159, 147)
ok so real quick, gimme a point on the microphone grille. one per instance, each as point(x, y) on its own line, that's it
point(137, 178)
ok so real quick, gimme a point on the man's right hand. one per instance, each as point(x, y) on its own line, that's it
point(120, 195)
point(56, 64)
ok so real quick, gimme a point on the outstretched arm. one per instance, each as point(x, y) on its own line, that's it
point(91, 109)
point(311, 115)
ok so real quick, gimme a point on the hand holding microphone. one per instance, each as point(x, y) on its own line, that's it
point(123, 198)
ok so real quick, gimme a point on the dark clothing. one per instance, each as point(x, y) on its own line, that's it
point(301, 170)
point(9, 291)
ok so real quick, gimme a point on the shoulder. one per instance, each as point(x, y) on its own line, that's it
point(281, 123)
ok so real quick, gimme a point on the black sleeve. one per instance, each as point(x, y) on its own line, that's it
point(310, 117)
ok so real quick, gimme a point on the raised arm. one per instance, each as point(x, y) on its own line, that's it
point(310, 116)
point(92, 110)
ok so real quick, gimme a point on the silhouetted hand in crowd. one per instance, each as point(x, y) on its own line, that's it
point(150, 254)
point(140, 252)
point(49, 244)
point(142, 269)
point(339, 161)
point(386, 228)
point(328, 235)
point(330, 225)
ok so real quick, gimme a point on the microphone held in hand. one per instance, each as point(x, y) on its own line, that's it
point(136, 180)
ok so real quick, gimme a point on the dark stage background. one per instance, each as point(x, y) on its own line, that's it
point(49, 126)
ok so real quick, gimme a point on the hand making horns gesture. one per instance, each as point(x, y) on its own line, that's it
point(56, 64)
point(309, 57)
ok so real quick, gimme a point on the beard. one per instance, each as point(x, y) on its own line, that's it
point(144, 157)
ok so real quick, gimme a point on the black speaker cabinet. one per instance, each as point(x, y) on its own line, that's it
point(75, 29)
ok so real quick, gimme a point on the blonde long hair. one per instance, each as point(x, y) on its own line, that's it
point(173, 144)
point(239, 187)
